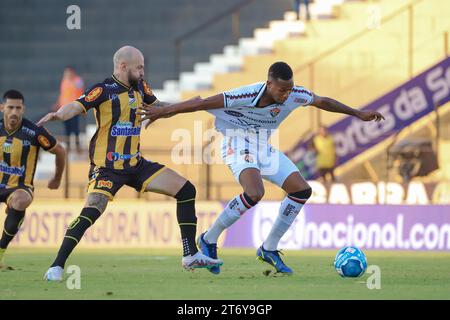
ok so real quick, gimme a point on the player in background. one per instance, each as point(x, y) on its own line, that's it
point(21, 140)
point(246, 117)
point(116, 159)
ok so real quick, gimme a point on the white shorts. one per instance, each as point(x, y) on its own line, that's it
point(239, 154)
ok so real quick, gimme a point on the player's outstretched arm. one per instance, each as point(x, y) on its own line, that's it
point(332, 105)
point(66, 112)
point(60, 163)
point(153, 113)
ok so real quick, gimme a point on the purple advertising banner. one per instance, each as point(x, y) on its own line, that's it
point(401, 107)
point(383, 227)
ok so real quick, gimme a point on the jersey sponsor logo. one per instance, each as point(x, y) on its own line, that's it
point(147, 89)
point(113, 96)
point(106, 184)
point(28, 131)
point(115, 156)
point(300, 100)
point(245, 151)
point(94, 94)
point(43, 141)
point(248, 158)
point(26, 143)
point(125, 129)
point(15, 171)
point(245, 124)
point(275, 111)
point(234, 113)
point(256, 113)
point(111, 86)
point(7, 147)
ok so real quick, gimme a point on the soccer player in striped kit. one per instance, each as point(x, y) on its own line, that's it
point(21, 141)
point(116, 159)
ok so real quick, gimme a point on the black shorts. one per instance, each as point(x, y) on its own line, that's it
point(6, 192)
point(109, 181)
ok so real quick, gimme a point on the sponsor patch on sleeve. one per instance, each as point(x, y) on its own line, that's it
point(147, 89)
point(94, 94)
point(43, 141)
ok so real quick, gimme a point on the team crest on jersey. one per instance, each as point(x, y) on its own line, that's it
point(274, 112)
point(147, 89)
point(132, 102)
point(7, 147)
point(43, 141)
point(94, 94)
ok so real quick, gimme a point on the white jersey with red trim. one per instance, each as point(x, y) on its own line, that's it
point(240, 111)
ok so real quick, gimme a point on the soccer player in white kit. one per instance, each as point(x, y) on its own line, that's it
point(246, 117)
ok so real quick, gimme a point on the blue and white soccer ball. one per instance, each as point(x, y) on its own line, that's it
point(350, 262)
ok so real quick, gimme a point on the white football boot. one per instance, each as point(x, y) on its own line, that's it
point(54, 274)
point(199, 260)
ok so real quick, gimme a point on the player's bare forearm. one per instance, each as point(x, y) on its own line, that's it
point(60, 163)
point(153, 113)
point(66, 112)
point(332, 105)
point(161, 104)
point(195, 104)
point(69, 111)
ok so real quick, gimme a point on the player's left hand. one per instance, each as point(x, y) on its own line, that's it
point(370, 115)
point(150, 113)
point(54, 183)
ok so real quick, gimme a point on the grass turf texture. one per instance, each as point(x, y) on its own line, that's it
point(157, 274)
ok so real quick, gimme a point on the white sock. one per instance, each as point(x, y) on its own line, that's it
point(289, 210)
point(232, 212)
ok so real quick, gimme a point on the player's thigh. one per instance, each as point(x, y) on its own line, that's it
point(167, 182)
point(285, 174)
point(20, 199)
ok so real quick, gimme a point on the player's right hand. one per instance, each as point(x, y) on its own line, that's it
point(52, 116)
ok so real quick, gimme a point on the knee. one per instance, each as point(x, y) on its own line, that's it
point(304, 194)
point(187, 192)
point(255, 194)
point(20, 200)
point(98, 201)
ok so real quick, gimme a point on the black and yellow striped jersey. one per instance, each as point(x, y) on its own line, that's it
point(20, 151)
point(115, 144)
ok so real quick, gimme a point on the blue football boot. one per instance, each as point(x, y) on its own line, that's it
point(209, 250)
point(273, 258)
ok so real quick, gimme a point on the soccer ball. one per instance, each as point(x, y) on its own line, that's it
point(350, 262)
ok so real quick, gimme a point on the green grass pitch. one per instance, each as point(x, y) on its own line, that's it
point(157, 274)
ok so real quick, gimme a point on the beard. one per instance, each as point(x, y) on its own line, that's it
point(132, 80)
